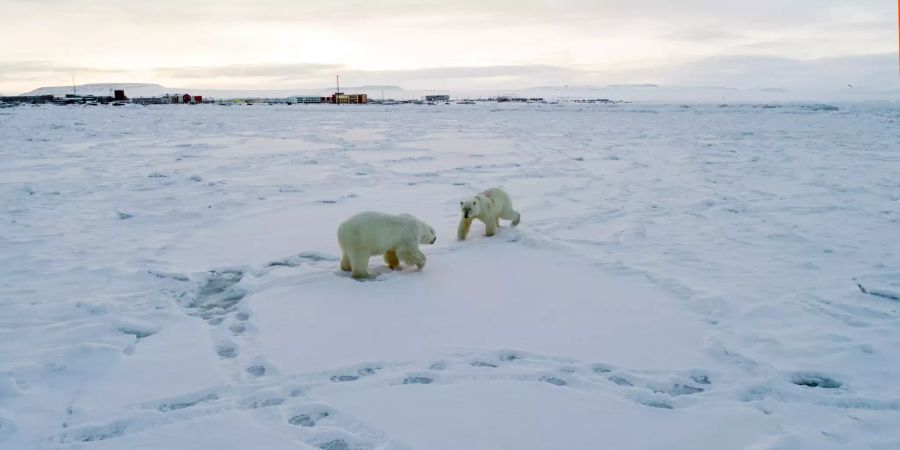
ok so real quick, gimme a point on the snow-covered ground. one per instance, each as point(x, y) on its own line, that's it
point(683, 277)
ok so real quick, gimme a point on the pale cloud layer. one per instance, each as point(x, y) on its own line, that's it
point(286, 44)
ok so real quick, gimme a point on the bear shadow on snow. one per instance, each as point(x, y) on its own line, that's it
point(379, 273)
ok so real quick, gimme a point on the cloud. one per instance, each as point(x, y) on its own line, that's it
point(22, 76)
point(825, 75)
point(305, 76)
point(319, 75)
point(427, 43)
point(281, 71)
point(11, 70)
point(701, 34)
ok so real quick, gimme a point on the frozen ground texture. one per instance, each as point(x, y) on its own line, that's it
point(683, 277)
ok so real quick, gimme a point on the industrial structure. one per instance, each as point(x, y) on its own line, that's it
point(34, 99)
point(340, 98)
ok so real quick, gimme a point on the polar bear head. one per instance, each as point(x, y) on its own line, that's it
point(425, 232)
point(473, 208)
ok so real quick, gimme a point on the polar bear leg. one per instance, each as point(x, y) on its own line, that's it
point(510, 214)
point(412, 256)
point(490, 225)
point(463, 229)
point(359, 264)
point(390, 257)
point(345, 263)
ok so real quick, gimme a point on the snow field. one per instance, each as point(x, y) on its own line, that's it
point(683, 277)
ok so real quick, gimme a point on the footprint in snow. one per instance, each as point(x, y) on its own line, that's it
point(256, 370)
point(216, 295)
point(656, 404)
point(554, 381)
point(482, 364)
point(816, 381)
point(345, 377)
point(417, 380)
point(336, 444)
point(308, 420)
point(186, 402)
point(264, 403)
point(620, 381)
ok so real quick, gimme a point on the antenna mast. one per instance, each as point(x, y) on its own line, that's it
point(74, 91)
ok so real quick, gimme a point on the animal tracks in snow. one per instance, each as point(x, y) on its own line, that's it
point(216, 297)
point(290, 405)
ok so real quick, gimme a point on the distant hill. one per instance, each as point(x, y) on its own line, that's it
point(131, 89)
point(645, 85)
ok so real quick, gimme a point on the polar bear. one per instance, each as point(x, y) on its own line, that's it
point(369, 233)
point(489, 207)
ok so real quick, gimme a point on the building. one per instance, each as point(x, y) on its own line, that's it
point(151, 100)
point(437, 98)
point(342, 98)
point(72, 99)
point(27, 99)
point(309, 99)
point(119, 95)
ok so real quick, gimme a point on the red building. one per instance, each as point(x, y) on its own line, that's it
point(186, 98)
point(198, 99)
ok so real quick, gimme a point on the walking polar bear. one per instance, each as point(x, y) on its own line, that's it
point(397, 237)
point(489, 207)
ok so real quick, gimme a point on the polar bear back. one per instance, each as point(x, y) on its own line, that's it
point(378, 232)
point(498, 200)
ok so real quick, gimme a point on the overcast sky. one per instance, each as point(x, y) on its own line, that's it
point(474, 44)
